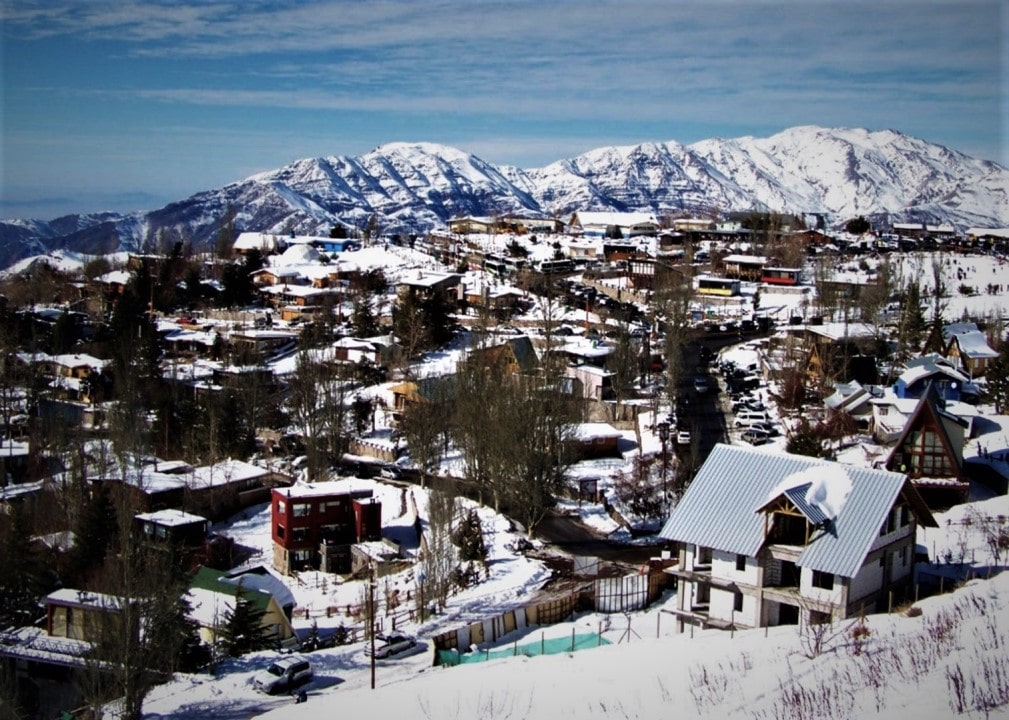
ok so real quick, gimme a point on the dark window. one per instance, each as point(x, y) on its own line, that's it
point(740, 563)
point(737, 602)
point(823, 580)
point(905, 515)
point(280, 531)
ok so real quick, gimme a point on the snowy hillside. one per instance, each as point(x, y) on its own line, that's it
point(414, 187)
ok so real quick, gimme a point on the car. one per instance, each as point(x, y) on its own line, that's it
point(683, 437)
point(283, 675)
point(701, 385)
point(770, 428)
point(755, 437)
point(391, 644)
point(748, 418)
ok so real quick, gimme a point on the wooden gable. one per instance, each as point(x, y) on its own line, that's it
point(928, 454)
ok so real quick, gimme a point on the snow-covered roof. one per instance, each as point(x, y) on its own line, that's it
point(988, 232)
point(256, 241)
point(620, 219)
point(171, 518)
point(745, 259)
point(974, 344)
point(115, 277)
point(297, 254)
point(76, 360)
point(914, 373)
point(720, 507)
point(224, 473)
point(595, 431)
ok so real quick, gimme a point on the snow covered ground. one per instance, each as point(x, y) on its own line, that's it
point(904, 667)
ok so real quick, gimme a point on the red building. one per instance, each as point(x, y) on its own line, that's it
point(314, 526)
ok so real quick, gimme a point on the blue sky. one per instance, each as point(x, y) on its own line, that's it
point(128, 105)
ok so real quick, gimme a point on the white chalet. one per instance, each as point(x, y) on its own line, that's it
point(773, 539)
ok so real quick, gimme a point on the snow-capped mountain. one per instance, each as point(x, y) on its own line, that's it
point(416, 187)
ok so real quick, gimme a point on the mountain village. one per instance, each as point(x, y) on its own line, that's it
point(354, 449)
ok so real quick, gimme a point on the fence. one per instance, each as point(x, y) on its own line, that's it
point(608, 595)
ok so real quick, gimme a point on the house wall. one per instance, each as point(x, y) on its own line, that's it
point(834, 596)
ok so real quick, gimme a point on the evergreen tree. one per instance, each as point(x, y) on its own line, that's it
point(805, 441)
point(244, 631)
point(996, 388)
point(363, 321)
point(22, 573)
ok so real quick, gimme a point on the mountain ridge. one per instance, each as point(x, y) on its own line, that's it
point(419, 186)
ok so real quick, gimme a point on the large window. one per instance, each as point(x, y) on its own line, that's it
point(823, 580)
point(302, 509)
point(740, 563)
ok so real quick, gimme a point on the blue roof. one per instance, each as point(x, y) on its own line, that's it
point(721, 507)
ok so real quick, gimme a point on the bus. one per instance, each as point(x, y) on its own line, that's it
point(711, 285)
point(555, 267)
point(780, 276)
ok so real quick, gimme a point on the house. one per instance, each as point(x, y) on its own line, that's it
point(265, 243)
point(931, 370)
point(80, 614)
point(468, 225)
point(838, 352)
point(767, 539)
point(969, 351)
point(314, 525)
point(744, 267)
point(613, 224)
point(515, 355)
point(930, 451)
point(853, 399)
point(436, 388)
point(213, 595)
point(596, 440)
point(424, 284)
point(172, 527)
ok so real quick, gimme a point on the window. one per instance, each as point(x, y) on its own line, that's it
point(737, 602)
point(299, 534)
point(823, 580)
point(302, 555)
point(702, 555)
point(903, 556)
point(281, 507)
point(302, 509)
point(905, 515)
point(740, 563)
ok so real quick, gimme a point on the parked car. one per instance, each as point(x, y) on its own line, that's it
point(283, 675)
point(391, 644)
point(770, 428)
point(755, 437)
point(683, 437)
point(701, 385)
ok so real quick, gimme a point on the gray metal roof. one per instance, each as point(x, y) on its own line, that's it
point(812, 511)
point(719, 509)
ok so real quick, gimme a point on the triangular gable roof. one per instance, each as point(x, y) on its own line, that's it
point(720, 508)
point(929, 412)
point(972, 344)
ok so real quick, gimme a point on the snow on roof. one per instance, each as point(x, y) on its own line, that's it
point(115, 277)
point(225, 473)
point(990, 232)
point(297, 255)
point(841, 330)
point(914, 373)
point(171, 518)
point(76, 360)
point(615, 218)
point(595, 431)
point(974, 344)
point(256, 241)
point(83, 598)
point(745, 259)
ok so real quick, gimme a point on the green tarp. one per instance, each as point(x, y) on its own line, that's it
point(550, 646)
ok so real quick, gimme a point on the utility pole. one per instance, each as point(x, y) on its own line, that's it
point(371, 619)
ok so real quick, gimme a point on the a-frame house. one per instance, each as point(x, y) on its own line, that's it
point(930, 451)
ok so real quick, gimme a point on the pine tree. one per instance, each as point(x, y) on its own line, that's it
point(22, 578)
point(244, 631)
point(996, 389)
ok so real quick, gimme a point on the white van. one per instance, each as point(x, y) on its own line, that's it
point(746, 418)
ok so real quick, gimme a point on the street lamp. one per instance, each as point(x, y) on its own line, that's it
point(664, 437)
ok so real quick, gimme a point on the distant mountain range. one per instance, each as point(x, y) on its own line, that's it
point(416, 187)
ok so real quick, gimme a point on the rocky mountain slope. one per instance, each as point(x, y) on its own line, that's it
point(415, 187)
